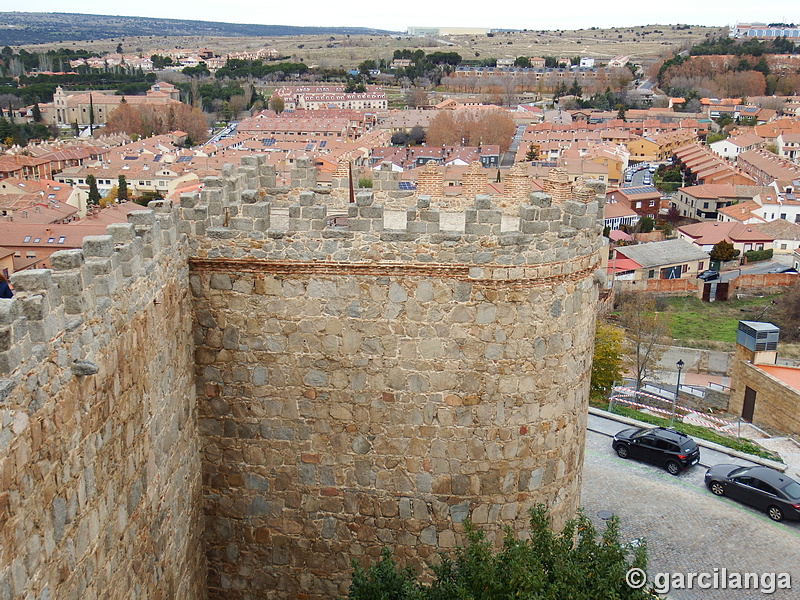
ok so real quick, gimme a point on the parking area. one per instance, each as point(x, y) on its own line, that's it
point(687, 528)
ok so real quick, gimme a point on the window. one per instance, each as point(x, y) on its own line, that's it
point(783, 216)
point(759, 246)
point(27, 239)
point(51, 240)
point(684, 268)
point(652, 202)
point(62, 239)
point(30, 254)
point(651, 273)
point(36, 240)
point(638, 205)
point(700, 266)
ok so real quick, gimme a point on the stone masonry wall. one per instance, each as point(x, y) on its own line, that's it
point(356, 386)
point(364, 386)
point(99, 459)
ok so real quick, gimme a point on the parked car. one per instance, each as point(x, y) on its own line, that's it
point(783, 270)
point(709, 275)
point(652, 168)
point(661, 446)
point(647, 180)
point(761, 487)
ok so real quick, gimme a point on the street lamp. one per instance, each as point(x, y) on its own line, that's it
point(679, 364)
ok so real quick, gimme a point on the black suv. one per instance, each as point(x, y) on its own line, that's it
point(709, 275)
point(664, 447)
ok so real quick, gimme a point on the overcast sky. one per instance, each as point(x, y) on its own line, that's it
point(399, 15)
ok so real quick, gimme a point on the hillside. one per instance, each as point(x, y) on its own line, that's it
point(22, 28)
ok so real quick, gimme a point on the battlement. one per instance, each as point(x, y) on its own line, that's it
point(80, 289)
point(242, 215)
point(235, 218)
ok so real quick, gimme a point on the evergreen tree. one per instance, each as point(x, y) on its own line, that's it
point(122, 188)
point(37, 113)
point(94, 194)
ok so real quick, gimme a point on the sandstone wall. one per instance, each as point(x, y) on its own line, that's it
point(99, 459)
point(776, 402)
point(375, 385)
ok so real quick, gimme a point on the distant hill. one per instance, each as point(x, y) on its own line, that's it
point(22, 28)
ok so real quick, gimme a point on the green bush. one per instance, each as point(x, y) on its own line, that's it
point(576, 563)
point(757, 255)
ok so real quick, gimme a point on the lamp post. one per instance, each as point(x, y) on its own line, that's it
point(679, 364)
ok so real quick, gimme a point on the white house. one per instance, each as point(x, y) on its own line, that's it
point(788, 145)
point(733, 147)
point(587, 62)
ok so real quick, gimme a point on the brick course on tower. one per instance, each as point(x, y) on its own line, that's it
point(231, 398)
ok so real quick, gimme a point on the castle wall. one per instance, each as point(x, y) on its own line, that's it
point(338, 388)
point(370, 386)
point(99, 458)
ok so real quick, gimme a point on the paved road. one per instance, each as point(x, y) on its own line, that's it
point(687, 528)
point(507, 159)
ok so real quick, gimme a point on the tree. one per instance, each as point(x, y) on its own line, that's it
point(575, 563)
point(124, 119)
point(37, 113)
point(608, 357)
point(621, 112)
point(119, 48)
point(646, 333)
point(277, 104)
point(122, 188)
point(94, 194)
point(723, 250)
point(787, 313)
point(533, 152)
point(645, 224)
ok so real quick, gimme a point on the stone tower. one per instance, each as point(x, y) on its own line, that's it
point(339, 389)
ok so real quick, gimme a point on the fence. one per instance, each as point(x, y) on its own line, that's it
point(638, 399)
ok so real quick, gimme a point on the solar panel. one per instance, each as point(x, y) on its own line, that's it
point(406, 185)
point(323, 143)
point(309, 147)
point(644, 189)
point(131, 158)
point(184, 159)
point(157, 157)
point(268, 141)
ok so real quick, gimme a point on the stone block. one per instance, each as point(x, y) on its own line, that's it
point(121, 233)
point(32, 280)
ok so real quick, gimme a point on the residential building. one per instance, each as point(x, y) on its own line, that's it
point(788, 146)
point(660, 146)
point(766, 167)
point(786, 235)
point(731, 147)
point(704, 201)
point(321, 97)
point(743, 237)
point(670, 259)
point(616, 214)
point(645, 201)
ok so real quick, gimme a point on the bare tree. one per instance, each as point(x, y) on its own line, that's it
point(646, 333)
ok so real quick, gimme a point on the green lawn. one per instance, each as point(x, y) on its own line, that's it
point(691, 319)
